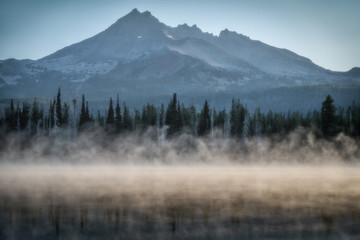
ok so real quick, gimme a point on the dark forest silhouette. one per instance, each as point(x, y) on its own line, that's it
point(238, 122)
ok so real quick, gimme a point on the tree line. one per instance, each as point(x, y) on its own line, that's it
point(175, 118)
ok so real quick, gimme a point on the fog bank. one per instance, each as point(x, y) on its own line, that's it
point(299, 147)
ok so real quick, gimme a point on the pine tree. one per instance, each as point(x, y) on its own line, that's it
point(59, 115)
point(353, 119)
point(258, 130)
point(162, 116)
point(186, 116)
point(328, 117)
point(24, 115)
point(110, 116)
point(83, 116)
point(65, 114)
point(10, 117)
point(204, 121)
point(17, 117)
point(35, 117)
point(41, 118)
point(127, 119)
point(73, 119)
point(148, 116)
point(193, 120)
point(341, 120)
point(316, 119)
point(136, 120)
point(173, 116)
point(87, 113)
point(179, 119)
point(219, 118)
point(237, 118)
point(52, 114)
point(118, 117)
point(170, 112)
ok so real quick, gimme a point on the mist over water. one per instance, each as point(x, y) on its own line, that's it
point(140, 187)
point(299, 147)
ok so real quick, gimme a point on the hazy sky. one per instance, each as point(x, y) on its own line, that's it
point(326, 31)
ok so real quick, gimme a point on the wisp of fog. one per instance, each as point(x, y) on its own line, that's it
point(298, 147)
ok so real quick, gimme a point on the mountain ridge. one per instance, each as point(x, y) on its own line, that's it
point(139, 54)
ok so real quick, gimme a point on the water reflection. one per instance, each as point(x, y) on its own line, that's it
point(173, 203)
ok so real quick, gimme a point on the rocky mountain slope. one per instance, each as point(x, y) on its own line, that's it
point(144, 60)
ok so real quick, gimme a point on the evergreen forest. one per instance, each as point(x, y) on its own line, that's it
point(68, 119)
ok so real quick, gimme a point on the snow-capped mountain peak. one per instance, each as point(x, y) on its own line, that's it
point(140, 52)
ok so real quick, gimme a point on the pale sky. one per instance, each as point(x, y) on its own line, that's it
point(326, 31)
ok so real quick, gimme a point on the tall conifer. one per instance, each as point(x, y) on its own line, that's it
point(118, 117)
point(110, 116)
point(59, 118)
point(328, 117)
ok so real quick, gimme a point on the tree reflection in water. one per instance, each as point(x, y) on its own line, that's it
point(189, 205)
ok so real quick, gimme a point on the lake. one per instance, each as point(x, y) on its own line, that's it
point(179, 202)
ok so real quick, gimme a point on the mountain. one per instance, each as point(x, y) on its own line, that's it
point(144, 60)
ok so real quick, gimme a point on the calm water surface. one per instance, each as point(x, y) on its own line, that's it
point(179, 202)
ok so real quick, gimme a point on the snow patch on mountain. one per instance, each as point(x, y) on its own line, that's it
point(168, 35)
point(69, 65)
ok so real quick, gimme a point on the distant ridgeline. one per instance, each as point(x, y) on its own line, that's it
point(67, 119)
